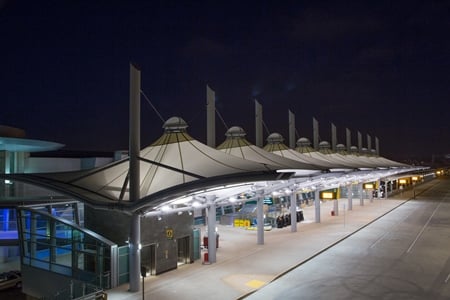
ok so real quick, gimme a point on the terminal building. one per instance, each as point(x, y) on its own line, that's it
point(81, 224)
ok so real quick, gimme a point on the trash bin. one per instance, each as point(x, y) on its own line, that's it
point(205, 241)
point(332, 212)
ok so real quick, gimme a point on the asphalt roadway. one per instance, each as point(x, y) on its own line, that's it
point(396, 248)
point(404, 255)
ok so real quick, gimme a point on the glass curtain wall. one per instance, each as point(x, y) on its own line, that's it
point(57, 245)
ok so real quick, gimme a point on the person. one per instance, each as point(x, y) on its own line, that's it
point(279, 222)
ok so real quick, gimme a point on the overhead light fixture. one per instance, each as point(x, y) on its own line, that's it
point(165, 208)
point(196, 204)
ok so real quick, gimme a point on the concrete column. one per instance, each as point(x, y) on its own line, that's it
point(371, 195)
point(317, 205)
point(361, 194)
point(336, 207)
point(387, 189)
point(350, 196)
point(293, 211)
point(211, 228)
point(260, 219)
point(135, 252)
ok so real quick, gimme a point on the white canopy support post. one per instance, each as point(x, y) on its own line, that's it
point(317, 204)
point(350, 196)
point(212, 234)
point(260, 218)
point(336, 207)
point(293, 211)
point(361, 194)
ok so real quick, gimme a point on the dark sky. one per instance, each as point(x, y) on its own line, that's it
point(380, 67)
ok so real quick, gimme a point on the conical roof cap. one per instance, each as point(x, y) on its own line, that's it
point(235, 131)
point(175, 124)
point(275, 138)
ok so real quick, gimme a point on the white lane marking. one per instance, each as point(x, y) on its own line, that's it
point(423, 228)
point(448, 277)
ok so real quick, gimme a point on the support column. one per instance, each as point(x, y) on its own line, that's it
point(361, 194)
point(211, 228)
point(336, 207)
point(350, 196)
point(317, 205)
point(134, 177)
point(260, 219)
point(135, 253)
point(386, 190)
point(293, 211)
point(371, 195)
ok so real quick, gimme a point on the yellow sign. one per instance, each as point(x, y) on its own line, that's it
point(402, 181)
point(368, 186)
point(327, 195)
point(169, 233)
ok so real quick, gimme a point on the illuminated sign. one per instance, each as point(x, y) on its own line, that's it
point(402, 181)
point(369, 186)
point(328, 195)
point(415, 178)
point(268, 201)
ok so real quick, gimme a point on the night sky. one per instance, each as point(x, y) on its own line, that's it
point(378, 67)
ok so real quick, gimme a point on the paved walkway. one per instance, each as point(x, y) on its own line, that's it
point(243, 266)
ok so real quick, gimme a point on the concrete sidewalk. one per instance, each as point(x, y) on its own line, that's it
point(243, 266)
